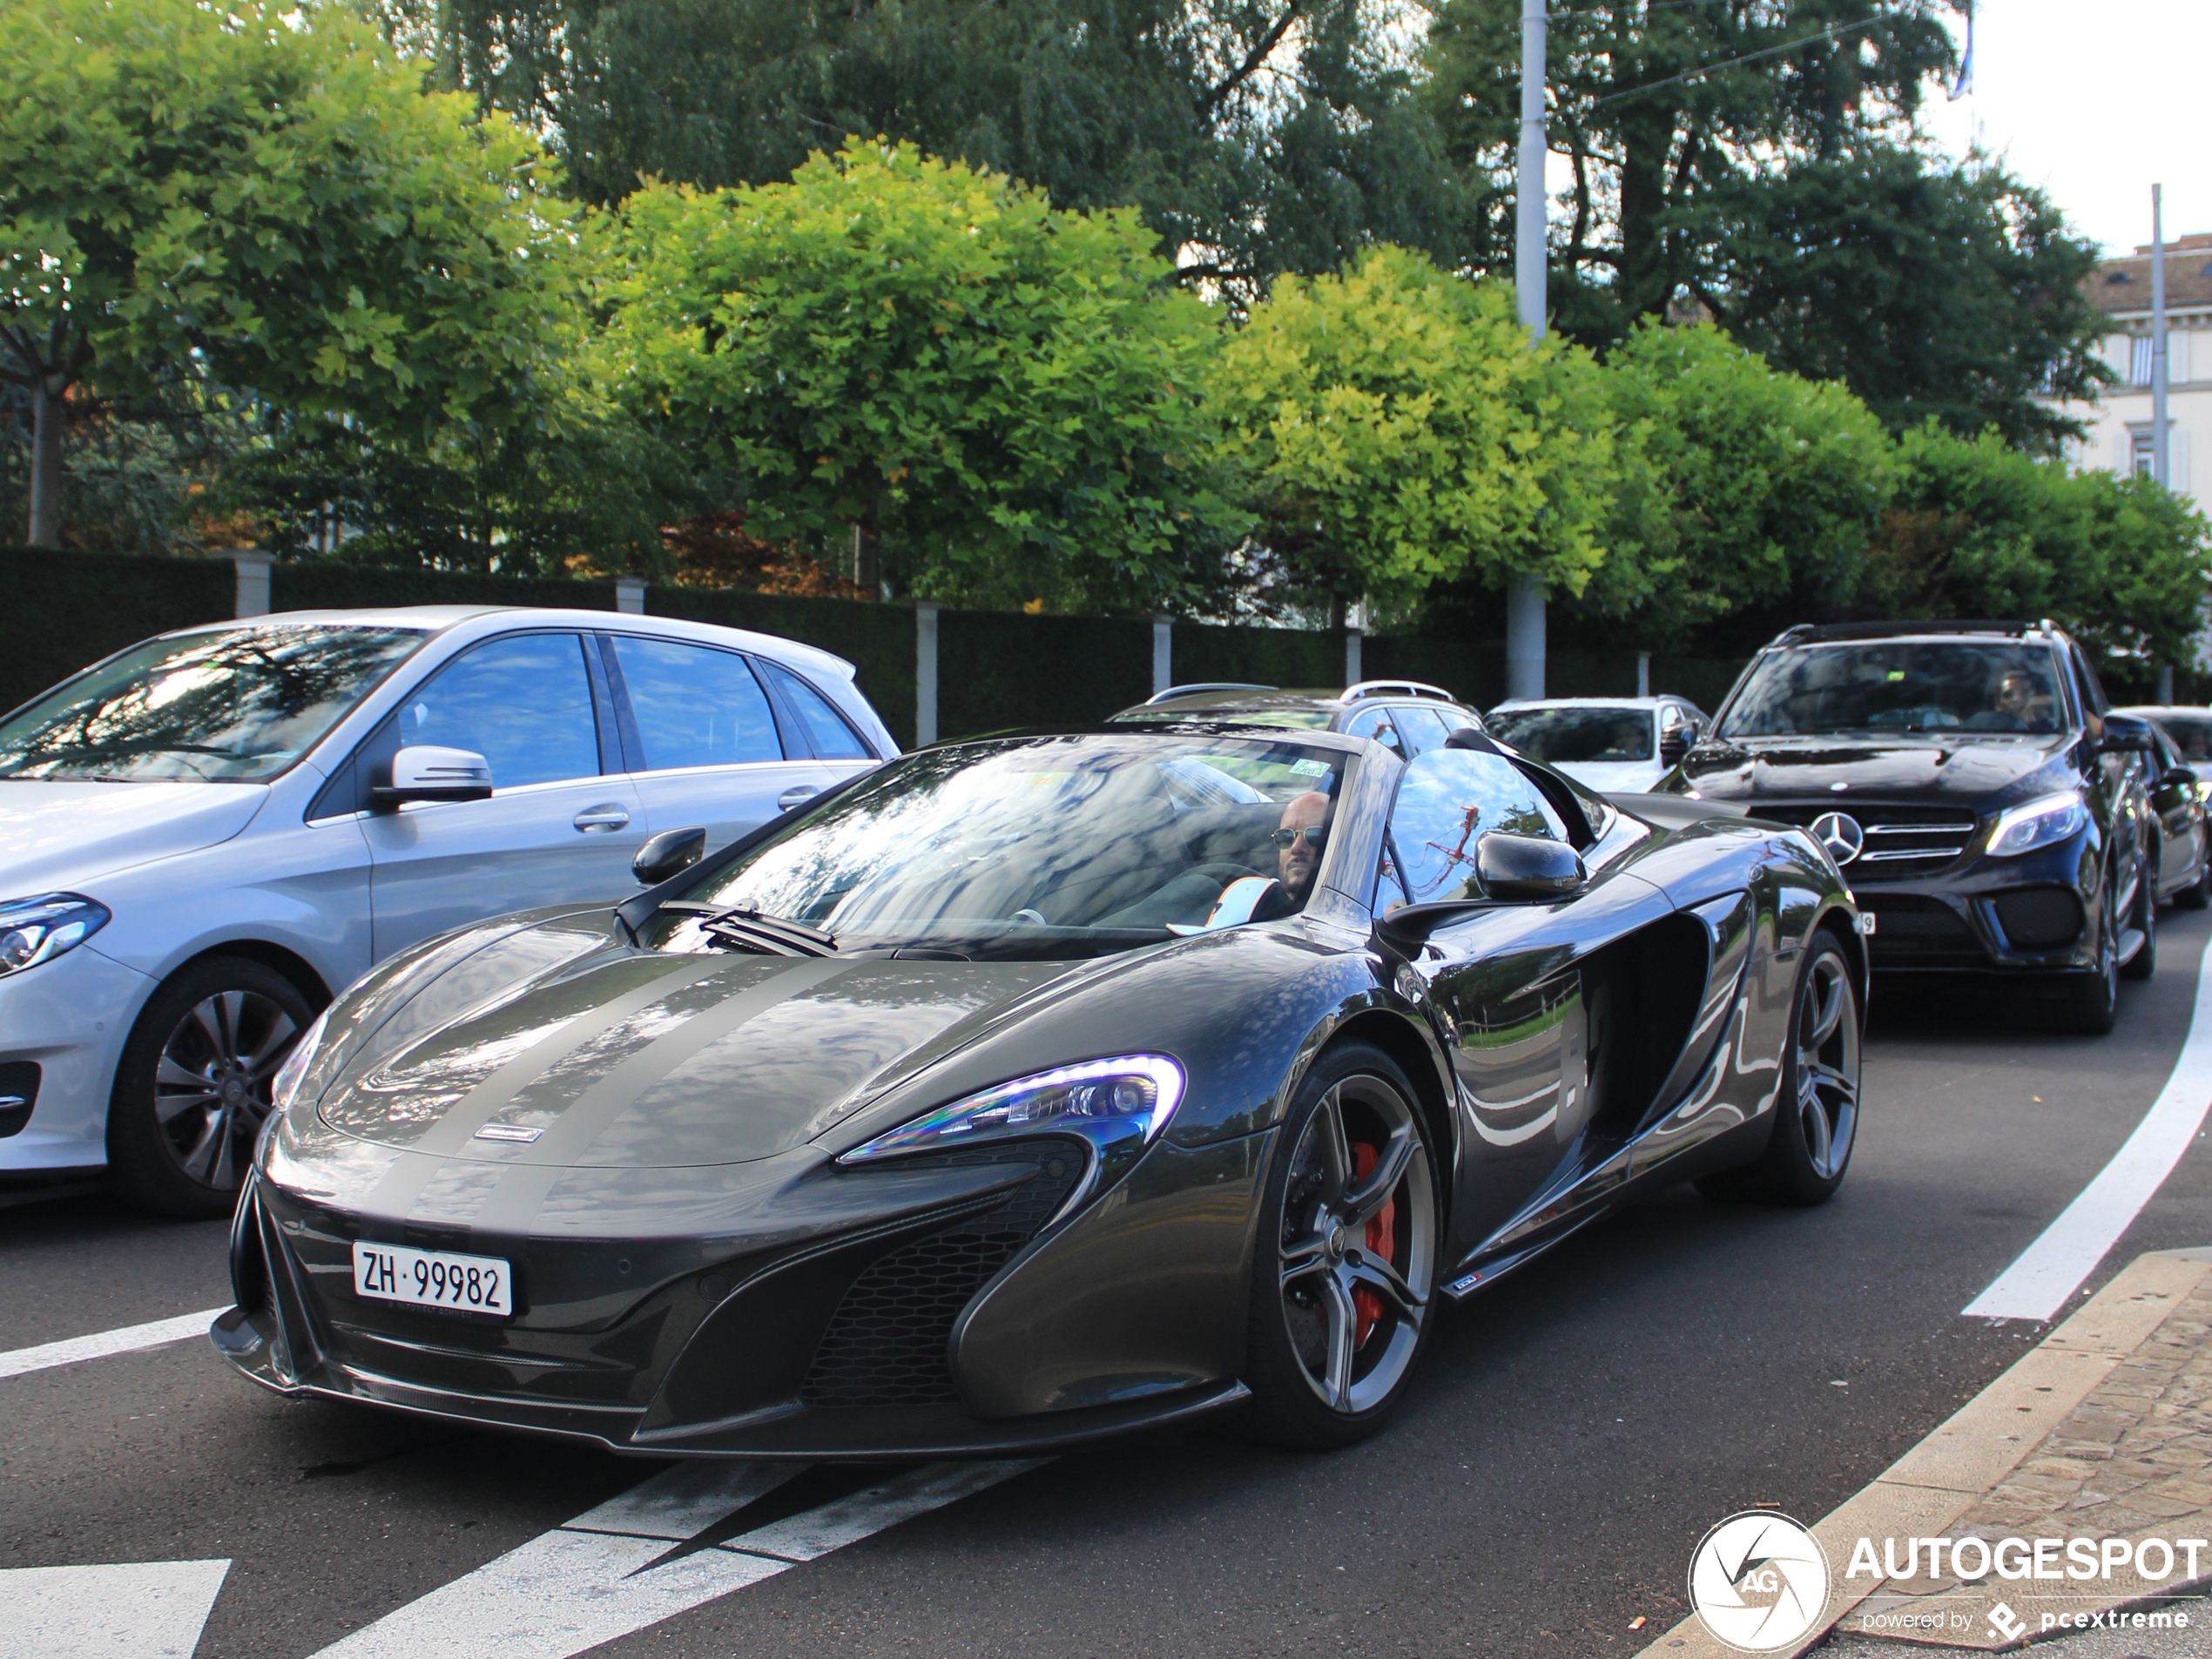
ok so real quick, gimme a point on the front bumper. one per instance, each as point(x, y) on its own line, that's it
point(944, 1307)
point(70, 1018)
point(1955, 921)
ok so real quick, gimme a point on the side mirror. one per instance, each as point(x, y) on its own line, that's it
point(2179, 777)
point(667, 853)
point(1526, 866)
point(1673, 745)
point(426, 772)
point(2125, 734)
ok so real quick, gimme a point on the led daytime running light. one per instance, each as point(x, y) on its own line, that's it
point(37, 930)
point(1129, 1092)
point(2039, 823)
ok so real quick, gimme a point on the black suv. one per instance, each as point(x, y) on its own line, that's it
point(1970, 780)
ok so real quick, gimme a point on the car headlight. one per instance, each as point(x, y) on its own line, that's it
point(2039, 823)
point(286, 1084)
point(1119, 1105)
point(37, 930)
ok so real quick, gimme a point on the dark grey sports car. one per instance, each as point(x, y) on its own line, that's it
point(1031, 1089)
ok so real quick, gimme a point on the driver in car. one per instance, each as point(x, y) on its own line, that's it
point(1298, 843)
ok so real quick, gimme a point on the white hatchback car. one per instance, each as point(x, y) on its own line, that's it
point(1624, 745)
point(206, 836)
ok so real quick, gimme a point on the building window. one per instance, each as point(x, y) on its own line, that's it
point(2139, 368)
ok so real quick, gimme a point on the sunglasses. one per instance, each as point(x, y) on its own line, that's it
point(1314, 834)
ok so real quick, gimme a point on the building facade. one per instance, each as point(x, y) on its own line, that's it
point(2119, 425)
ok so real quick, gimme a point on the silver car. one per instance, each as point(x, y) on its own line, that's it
point(206, 837)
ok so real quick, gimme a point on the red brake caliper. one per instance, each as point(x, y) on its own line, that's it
point(1381, 1240)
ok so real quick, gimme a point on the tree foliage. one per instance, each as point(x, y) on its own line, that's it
point(266, 201)
point(1001, 395)
point(1398, 429)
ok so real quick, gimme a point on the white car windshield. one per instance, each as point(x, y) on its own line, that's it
point(1593, 734)
point(1899, 685)
point(1036, 848)
point(236, 705)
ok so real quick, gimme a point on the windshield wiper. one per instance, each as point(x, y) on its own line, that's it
point(745, 925)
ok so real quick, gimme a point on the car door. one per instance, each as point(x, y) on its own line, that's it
point(2177, 811)
point(561, 825)
point(1506, 983)
point(2113, 780)
point(702, 738)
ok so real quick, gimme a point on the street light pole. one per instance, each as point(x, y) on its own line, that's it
point(2157, 335)
point(1524, 600)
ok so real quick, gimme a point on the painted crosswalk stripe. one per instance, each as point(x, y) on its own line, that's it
point(2048, 1271)
point(593, 1579)
point(126, 1340)
point(133, 1610)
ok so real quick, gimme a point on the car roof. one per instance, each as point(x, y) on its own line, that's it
point(2161, 710)
point(1808, 633)
point(1228, 698)
point(1659, 700)
point(472, 620)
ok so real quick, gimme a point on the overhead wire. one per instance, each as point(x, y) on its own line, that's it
point(1832, 32)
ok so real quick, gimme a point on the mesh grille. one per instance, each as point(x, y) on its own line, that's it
point(2037, 918)
point(886, 1343)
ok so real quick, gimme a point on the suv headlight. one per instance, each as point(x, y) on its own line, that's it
point(2039, 823)
point(37, 930)
point(1118, 1105)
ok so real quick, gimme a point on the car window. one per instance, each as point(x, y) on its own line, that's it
point(228, 706)
point(1580, 734)
point(523, 702)
point(1997, 687)
point(1446, 800)
point(1422, 728)
point(2193, 736)
point(1375, 723)
point(2093, 690)
point(695, 705)
point(832, 738)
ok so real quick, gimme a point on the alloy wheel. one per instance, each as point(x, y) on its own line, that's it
point(1827, 1064)
point(1358, 1251)
point(212, 1089)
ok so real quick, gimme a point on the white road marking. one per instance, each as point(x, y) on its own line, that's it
point(125, 1339)
point(591, 1580)
point(140, 1610)
point(2049, 1270)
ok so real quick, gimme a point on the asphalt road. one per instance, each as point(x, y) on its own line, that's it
point(1573, 1433)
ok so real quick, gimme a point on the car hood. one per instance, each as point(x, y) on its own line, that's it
point(63, 835)
point(1967, 771)
point(624, 1059)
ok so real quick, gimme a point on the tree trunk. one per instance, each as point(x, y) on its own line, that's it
point(49, 418)
point(1340, 611)
point(1643, 282)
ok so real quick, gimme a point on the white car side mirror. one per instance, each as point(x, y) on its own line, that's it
point(427, 772)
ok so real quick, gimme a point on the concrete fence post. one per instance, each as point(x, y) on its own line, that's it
point(629, 595)
point(1163, 654)
point(925, 673)
point(2165, 683)
point(253, 567)
point(1643, 673)
point(1355, 623)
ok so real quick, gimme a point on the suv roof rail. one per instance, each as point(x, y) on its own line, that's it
point(1198, 686)
point(1396, 688)
point(1808, 631)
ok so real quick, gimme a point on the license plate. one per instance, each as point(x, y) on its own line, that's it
point(432, 1279)
point(1866, 923)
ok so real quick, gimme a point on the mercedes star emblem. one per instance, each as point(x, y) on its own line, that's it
point(1840, 834)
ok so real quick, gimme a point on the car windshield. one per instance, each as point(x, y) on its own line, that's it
point(1899, 685)
point(1034, 848)
point(2192, 735)
point(237, 705)
point(1553, 735)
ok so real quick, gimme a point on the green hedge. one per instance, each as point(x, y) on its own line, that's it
point(72, 609)
point(334, 585)
point(1002, 669)
point(1287, 656)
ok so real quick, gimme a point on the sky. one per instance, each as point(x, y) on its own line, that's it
point(2095, 100)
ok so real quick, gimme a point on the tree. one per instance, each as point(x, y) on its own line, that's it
point(1254, 135)
point(1398, 429)
point(263, 202)
point(1745, 483)
point(1001, 399)
point(1955, 292)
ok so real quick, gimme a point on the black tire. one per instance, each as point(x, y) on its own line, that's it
point(1816, 1110)
point(1335, 1334)
point(2093, 995)
point(2198, 894)
point(192, 1086)
point(2144, 962)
